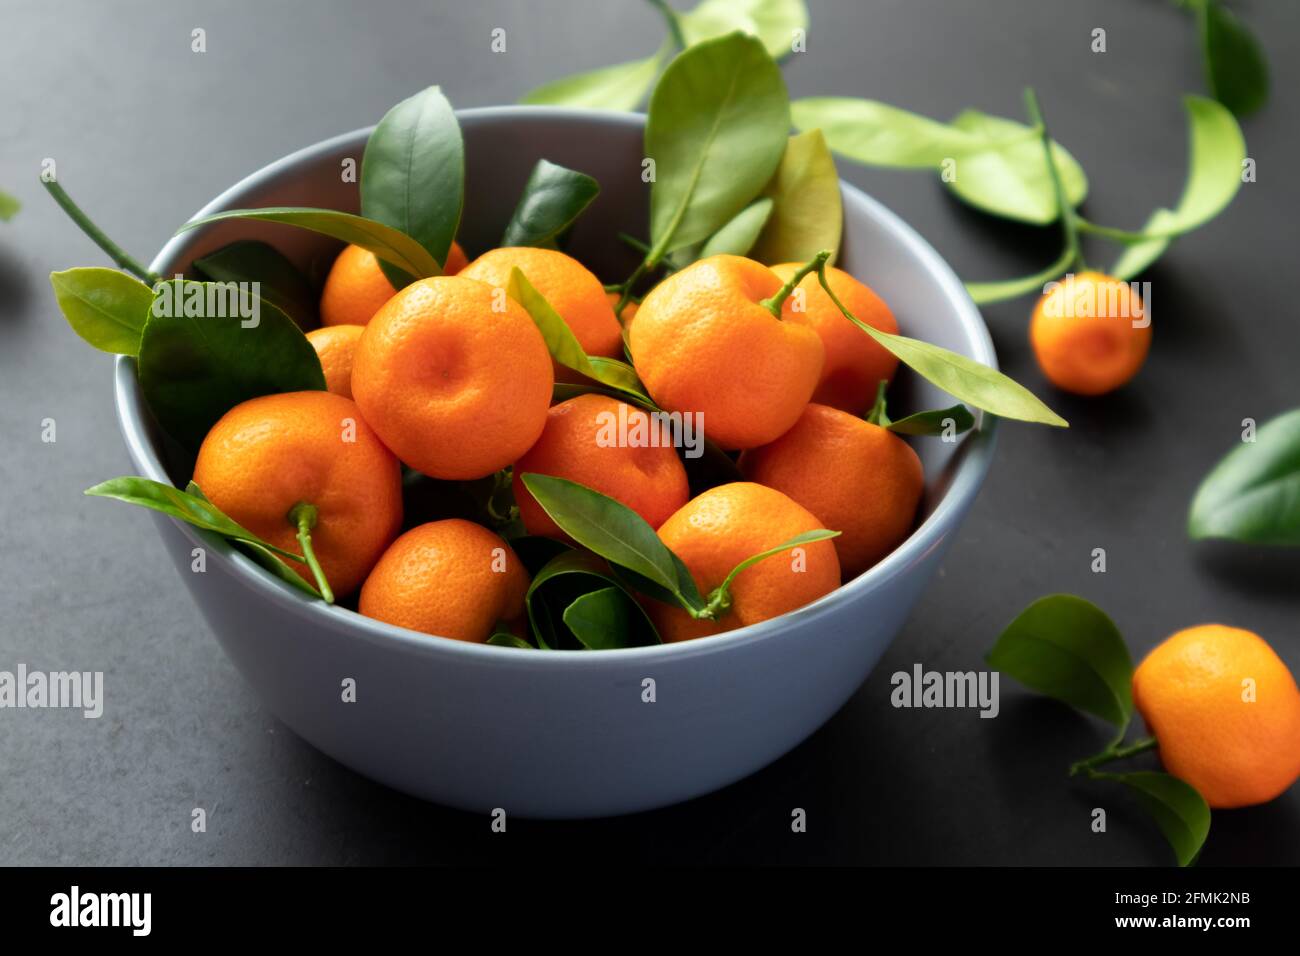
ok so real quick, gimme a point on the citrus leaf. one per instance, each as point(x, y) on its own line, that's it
point(619, 87)
point(737, 237)
point(716, 129)
point(808, 215)
point(1067, 648)
point(553, 198)
point(609, 528)
point(1217, 152)
point(1012, 180)
point(194, 367)
point(1235, 67)
point(1253, 493)
point(965, 379)
point(592, 575)
point(953, 420)
point(390, 245)
point(984, 293)
point(877, 134)
point(189, 507)
point(564, 346)
point(600, 620)
point(685, 594)
point(281, 284)
point(107, 308)
point(1179, 810)
point(773, 22)
point(413, 175)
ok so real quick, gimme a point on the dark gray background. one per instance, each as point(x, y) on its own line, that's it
point(145, 132)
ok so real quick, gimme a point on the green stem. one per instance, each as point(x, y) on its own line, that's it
point(718, 602)
point(1069, 219)
point(303, 517)
point(1123, 235)
point(877, 415)
point(674, 22)
point(817, 264)
point(1112, 753)
point(114, 251)
point(635, 243)
point(625, 295)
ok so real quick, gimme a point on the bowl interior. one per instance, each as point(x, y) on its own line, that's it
point(502, 145)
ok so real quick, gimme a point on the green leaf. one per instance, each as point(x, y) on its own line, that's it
point(877, 134)
point(685, 594)
point(1253, 494)
point(586, 574)
point(506, 639)
point(1013, 180)
point(985, 292)
point(965, 379)
point(553, 198)
point(413, 175)
point(190, 507)
point(249, 260)
point(1139, 256)
point(390, 245)
point(9, 206)
point(737, 237)
point(808, 215)
point(935, 422)
point(107, 308)
point(619, 87)
point(961, 377)
point(1067, 648)
point(600, 620)
point(717, 127)
point(1235, 67)
point(1179, 810)
point(193, 368)
point(1217, 152)
point(610, 529)
point(772, 22)
point(564, 346)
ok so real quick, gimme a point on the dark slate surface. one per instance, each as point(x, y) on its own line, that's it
point(145, 132)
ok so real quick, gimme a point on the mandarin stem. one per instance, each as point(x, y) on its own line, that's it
point(303, 517)
point(1065, 210)
point(877, 415)
point(97, 235)
point(1116, 753)
point(674, 23)
point(817, 264)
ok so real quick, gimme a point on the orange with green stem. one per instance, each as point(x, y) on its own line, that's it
point(304, 469)
point(1085, 350)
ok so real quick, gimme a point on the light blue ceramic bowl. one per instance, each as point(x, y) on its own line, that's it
point(567, 734)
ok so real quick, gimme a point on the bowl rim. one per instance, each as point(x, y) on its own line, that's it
point(965, 484)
